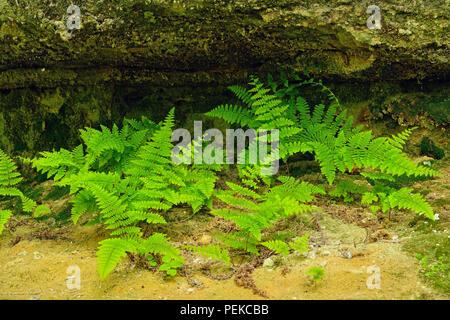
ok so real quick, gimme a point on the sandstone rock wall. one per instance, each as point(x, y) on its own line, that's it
point(141, 56)
point(194, 41)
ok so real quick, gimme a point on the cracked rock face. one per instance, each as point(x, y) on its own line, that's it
point(193, 41)
point(134, 57)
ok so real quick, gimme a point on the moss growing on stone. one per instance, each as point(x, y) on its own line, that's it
point(429, 148)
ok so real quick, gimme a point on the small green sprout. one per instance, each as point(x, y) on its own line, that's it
point(316, 272)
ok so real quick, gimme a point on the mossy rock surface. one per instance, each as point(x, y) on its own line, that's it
point(429, 148)
point(39, 119)
point(199, 42)
point(142, 57)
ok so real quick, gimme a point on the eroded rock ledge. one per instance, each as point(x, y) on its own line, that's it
point(192, 41)
point(142, 57)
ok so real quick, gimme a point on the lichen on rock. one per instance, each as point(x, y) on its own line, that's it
point(185, 53)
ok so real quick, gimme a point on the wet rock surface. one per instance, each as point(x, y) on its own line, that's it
point(209, 42)
point(137, 57)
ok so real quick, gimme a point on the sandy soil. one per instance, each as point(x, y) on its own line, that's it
point(34, 262)
point(36, 269)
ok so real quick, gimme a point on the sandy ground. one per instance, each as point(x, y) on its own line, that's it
point(36, 267)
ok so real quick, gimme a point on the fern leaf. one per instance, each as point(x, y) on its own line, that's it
point(40, 210)
point(110, 252)
point(300, 244)
point(278, 246)
point(210, 251)
point(4, 217)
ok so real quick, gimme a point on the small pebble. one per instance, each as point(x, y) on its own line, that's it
point(37, 255)
point(406, 32)
point(268, 263)
point(196, 283)
point(326, 253)
point(346, 254)
point(312, 255)
point(205, 239)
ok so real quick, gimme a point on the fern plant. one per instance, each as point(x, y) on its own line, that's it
point(213, 251)
point(317, 273)
point(384, 196)
point(379, 196)
point(9, 178)
point(105, 150)
point(127, 176)
point(326, 132)
point(160, 179)
point(263, 110)
point(252, 213)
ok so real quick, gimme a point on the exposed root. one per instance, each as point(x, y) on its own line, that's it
point(186, 271)
point(285, 271)
point(244, 277)
point(48, 235)
point(206, 270)
point(15, 241)
point(140, 261)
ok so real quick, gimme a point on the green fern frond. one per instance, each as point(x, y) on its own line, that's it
point(110, 252)
point(300, 244)
point(158, 244)
point(82, 203)
point(41, 210)
point(378, 176)
point(405, 199)
point(4, 217)
point(232, 114)
point(239, 240)
point(8, 174)
point(347, 187)
point(400, 139)
point(368, 198)
point(9, 178)
point(278, 246)
point(98, 142)
point(242, 94)
point(214, 252)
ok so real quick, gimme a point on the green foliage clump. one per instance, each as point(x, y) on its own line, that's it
point(127, 176)
point(329, 135)
point(436, 270)
point(317, 273)
point(214, 252)
point(9, 178)
point(380, 196)
point(429, 148)
point(252, 213)
point(325, 132)
point(431, 246)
